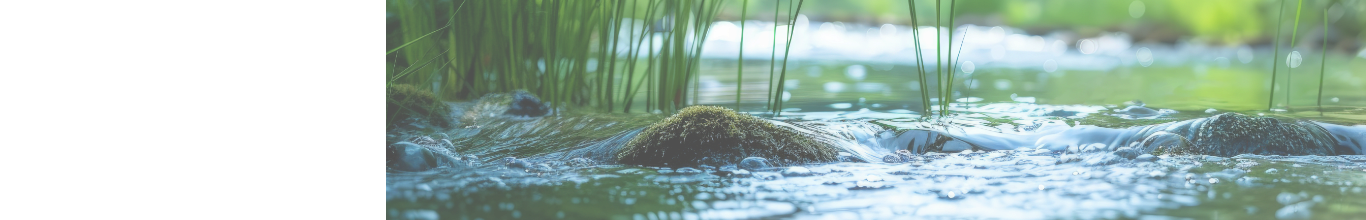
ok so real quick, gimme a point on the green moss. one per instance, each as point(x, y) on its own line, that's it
point(710, 134)
point(404, 101)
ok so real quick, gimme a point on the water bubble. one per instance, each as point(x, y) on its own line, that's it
point(834, 87)
point(787, 96)
point(856, 72)
point(841, 105)
point(968, 67)
point(998, 52)
point(887, 31)
point(1136, 9)
point(1058, 48)
point(1050, 65)
point(1222, 62)
point(1244, 54)
point(1294, 59)
point(1335, 99)
point(1041, 187)
point(995, 34)
point(1213, 180)
point(1145, 56)
point(1087, 46)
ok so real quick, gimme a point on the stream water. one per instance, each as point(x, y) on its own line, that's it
point(1036, 137)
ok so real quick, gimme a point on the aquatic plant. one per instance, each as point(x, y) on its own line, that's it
point(717, 135)
point(740, 59)
point(550, 48)
point(1323, 62)
point(1275, 55)
point(405, 101)
point(943, 85)
point(782, 75)
point(1294, 32)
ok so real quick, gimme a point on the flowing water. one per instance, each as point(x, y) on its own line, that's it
point(1036, 134)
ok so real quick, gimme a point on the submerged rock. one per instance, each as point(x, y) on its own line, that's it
point(526, 104)
point(1225, 134)
point(754, 163)
point(405, 102)
point(517, 103)
point(709, 131)
point(1161, 142)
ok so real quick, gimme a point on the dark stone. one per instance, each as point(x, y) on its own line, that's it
point(526, 104)
point(699, 135)
point(1231, 134)
point(754, 163)
point(408, 104)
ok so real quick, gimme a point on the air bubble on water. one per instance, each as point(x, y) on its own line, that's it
point(1294, 59)
point(996, 34)
point(968, 67)
point(951, 194)
point(1244, 54)
point(1058, 48)
point(843, 105)
point(887, 31)
point(1087, 46)
point(1050, 65)
point(787, 96)
point(856, 72)
point(1136, 9)
point(1145, 56)
point(1041, 187)
point(834, 87)
point(1213, 180)
point(1335, 99)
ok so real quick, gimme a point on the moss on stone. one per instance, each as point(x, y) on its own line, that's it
point(720, 135)
point(404, 101)
point(1232, 134)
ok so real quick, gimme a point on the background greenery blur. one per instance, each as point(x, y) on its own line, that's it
point(463, 49)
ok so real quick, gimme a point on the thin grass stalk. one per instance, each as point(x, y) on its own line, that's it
point(948, 82)
point(919, 60)
point(773, 54)
point(612, 64)
point(1323, 62)
point(629, 94)
point(1275, 56)
point(740, 59)
point(1294, 32)
point(782, 76)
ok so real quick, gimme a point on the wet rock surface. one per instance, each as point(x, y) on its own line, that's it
point(699, 132)
point(1230, 134)
point(525, 104)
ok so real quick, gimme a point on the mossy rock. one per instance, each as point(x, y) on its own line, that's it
point(721, 135)
point(1232, 134)
point(404, 101)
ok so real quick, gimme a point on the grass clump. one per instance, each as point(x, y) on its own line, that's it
point(717, 135)
point(405, 101)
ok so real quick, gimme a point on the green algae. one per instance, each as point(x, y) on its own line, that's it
point(710, 134)
point(407, 101)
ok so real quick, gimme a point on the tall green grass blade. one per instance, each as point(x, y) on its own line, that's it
point(1323, 62)
point(1275, 56)
point(740, 61)
point(1293, 33)
point(782, 77)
